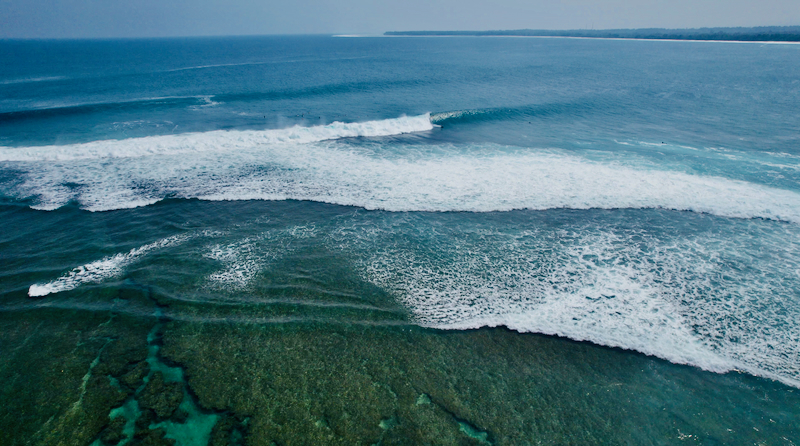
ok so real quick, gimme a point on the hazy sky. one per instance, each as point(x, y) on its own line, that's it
point(150, 18)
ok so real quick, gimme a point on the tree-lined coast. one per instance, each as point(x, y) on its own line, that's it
point(755, 34)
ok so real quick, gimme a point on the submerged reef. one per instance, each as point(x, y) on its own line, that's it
point(329, 384)
point(134, 375)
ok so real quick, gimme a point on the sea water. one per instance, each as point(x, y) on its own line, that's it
point(640, 197)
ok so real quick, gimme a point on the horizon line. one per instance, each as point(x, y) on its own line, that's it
point(385, 33)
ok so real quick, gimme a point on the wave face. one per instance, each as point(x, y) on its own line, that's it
point(78, 110)
point(312, 163)
point(482, 115)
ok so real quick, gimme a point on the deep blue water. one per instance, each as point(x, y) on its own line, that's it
point(633, 194)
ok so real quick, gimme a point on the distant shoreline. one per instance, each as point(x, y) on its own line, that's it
point(756, 34)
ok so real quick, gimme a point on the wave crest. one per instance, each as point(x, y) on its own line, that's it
point(216, 141)
point(101, 270)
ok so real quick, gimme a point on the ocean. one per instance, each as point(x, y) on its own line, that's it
point(293, 240)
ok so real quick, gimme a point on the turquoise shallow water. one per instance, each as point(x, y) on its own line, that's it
point(336, 240)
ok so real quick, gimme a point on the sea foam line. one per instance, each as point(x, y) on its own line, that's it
point(429, 178)
point(101, 270)
point(492, 182)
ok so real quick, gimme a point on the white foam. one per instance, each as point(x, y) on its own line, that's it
point(242, 264)
point(100, 270)
point(299, 163)
point(498, 182)
point(244, 259)
point(216, 141)
point(699, 300)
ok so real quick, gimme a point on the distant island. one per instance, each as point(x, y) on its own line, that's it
point(755, 34)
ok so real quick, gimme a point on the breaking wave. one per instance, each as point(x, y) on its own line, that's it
point(100, 270)
point(711, 299)
point(216, 141)
point(310, 163)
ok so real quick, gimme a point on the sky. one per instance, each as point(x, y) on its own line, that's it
point(172, 18)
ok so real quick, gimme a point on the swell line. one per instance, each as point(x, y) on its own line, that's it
point(146, 104)
point(513, 113)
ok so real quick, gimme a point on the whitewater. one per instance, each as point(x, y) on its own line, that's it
point(599, 288)
point(308, 163)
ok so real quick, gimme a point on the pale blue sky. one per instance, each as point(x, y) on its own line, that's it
point(153, 18)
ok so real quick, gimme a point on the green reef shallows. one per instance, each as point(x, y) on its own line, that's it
point(134, 375)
